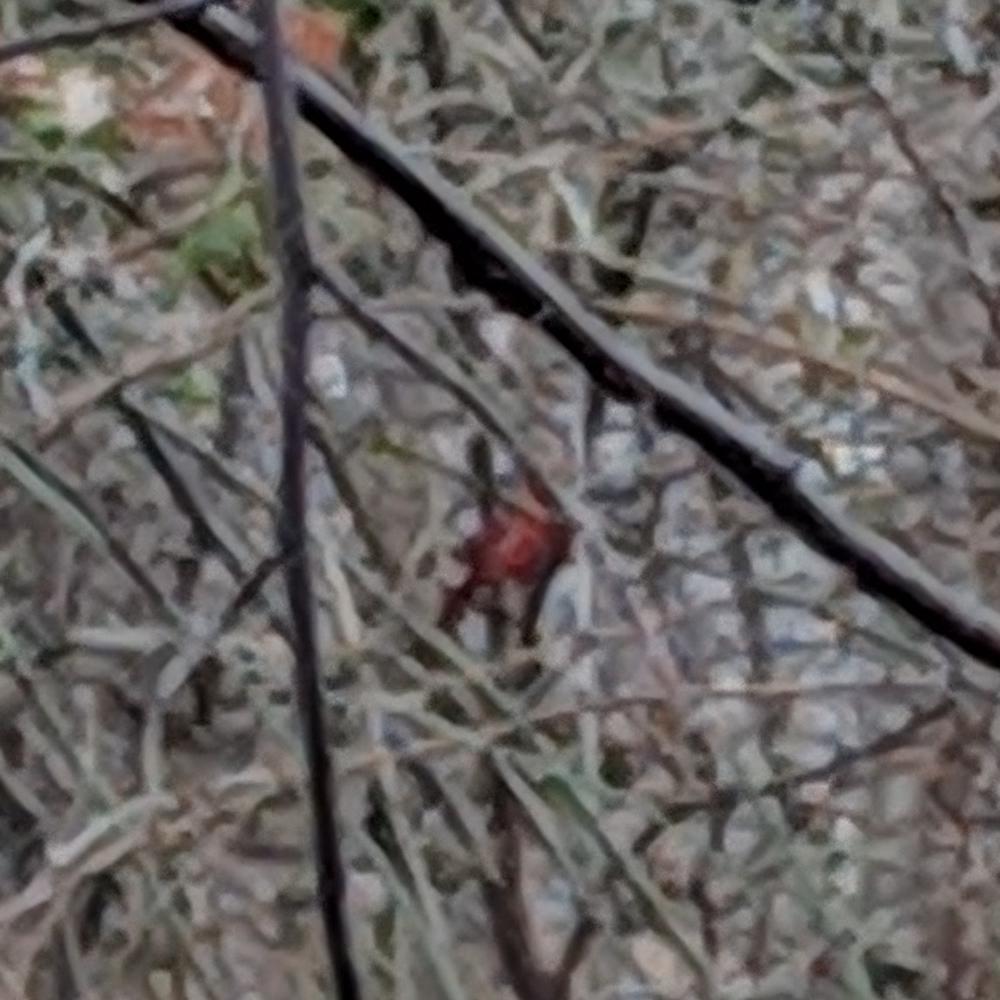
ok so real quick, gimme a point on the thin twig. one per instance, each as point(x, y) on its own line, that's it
point(495, 262)
point(573, 955)
point(338, 284)
point(885, 378)
point(147, 362)
point(94, 30)
point(208, 532)
point(504, 900)
point(348, 495)
point(484, 493)
point(51, 488)
point(933, 187)
point(507, 908)
point(98, 786)
point(515, 18)
point(493, 734)
point(297, 270)
point(205, 533)
point(726, 798)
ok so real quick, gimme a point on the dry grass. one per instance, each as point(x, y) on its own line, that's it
point(719, 771)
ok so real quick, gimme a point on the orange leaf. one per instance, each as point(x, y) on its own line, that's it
point(316, 37)
point(192, 109)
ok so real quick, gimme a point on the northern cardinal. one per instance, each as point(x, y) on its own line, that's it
point(522, 544)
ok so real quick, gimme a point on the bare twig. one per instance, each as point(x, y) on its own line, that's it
point(484, 493)
point(508, 912)
point(205, 532)
point(97, 785)
point(499, 265)
point(58, 494)
point(933, 187)
point(338, 283)
point(348, 495)
point(505, 902)
point(726, 799)
point(208, 532)
point(493, 734)
point(105, 27)
point(297, 271)
point(573, 955)
point(885, 378)
point(150, 361)
point(515, 18)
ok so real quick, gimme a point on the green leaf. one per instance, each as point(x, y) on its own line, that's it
point(858, 340)
point(198, 386)
point(226, 239)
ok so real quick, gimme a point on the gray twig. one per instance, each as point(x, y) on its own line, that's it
point(92, 31)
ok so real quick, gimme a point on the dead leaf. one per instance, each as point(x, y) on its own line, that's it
point(193, 108)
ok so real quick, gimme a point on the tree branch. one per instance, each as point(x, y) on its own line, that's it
point(495, 262)
point(295, 261)
point(93, 30)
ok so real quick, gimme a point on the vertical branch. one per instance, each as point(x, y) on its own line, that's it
point(297, 270)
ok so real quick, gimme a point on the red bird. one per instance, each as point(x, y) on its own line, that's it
point(514, 544)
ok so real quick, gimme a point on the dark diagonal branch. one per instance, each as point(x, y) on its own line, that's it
point(93, 30)
point(295, 263)
point(495, 262)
